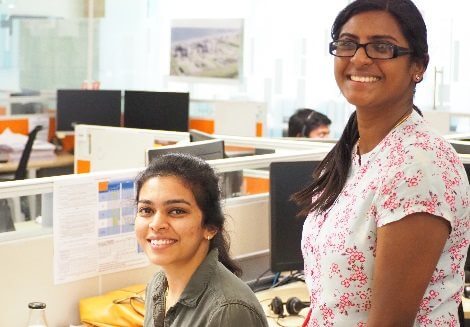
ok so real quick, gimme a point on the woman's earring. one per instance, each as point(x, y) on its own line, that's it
point(208, 238)
point(417, 78)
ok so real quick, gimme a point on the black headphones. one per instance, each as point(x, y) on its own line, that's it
point(306, 127)
point(293, 306)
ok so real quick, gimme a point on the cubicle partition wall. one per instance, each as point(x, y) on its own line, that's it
point(458, 136)
point(23, 124)
point(99, 148)
point(223, 117)
point(23, 102)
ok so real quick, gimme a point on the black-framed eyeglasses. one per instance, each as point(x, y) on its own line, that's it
point(374, 50)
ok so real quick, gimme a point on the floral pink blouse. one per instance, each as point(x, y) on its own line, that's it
point(411, 170)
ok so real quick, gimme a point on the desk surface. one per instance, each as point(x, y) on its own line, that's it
point(298, 289)
point(61, 160)
point(466, 307)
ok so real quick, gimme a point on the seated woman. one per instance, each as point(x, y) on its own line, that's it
point(180, 226)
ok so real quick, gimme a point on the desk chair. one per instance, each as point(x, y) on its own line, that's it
point(20, 205)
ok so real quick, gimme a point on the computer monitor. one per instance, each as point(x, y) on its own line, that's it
point(231, 181)
point(461, 146)
point(286, 178)
point(467, 261)
point(207, 150)
point(197, 135)
point(467, 170)
point(167, 111)
point(92, 107)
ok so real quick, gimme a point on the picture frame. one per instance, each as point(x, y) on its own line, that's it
point(207, 48)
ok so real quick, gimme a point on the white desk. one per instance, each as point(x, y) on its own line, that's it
point(61, 160)
point(298, 289)
point(466, 307)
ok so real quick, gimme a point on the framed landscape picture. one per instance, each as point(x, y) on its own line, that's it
point(207, 48)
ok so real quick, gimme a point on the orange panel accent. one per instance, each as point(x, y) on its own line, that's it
point(16, 125)
point(83, 166)
point(259, 129)
point(204, 125)
point(102, 186)
point(68, 143)
point(51, 133)
point(3, 110)
point(239, 148)
point(256, 185)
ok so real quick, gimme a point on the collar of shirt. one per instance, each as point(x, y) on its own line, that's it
point(197, 284)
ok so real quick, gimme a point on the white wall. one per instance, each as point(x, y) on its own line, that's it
point(58, 8)
point(285, 60)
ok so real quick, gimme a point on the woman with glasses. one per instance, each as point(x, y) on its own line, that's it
point(387, 230)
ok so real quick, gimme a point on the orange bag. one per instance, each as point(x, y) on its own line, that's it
point(124, 308)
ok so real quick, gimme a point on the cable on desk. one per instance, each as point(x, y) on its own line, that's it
point(292, 277)
point(276, 278)
point(255, 285)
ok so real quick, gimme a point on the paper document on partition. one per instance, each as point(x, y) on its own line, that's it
point(93, 221)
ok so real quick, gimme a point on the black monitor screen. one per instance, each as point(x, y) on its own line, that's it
point(167, 111)
point(286, 178)
point(92, 107)
point(461, 146)
point(197, 135)
point(207, 150)
point(467, 170)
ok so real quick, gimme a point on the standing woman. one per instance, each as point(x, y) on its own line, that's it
point(387, 231)
point(180, 226)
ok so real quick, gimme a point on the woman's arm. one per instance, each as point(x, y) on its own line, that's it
point(407, 254)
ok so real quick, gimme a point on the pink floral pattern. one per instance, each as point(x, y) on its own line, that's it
point(411, 170)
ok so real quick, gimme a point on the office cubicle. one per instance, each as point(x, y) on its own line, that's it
point(99, 148)
point(223, 117)
point(28, 253)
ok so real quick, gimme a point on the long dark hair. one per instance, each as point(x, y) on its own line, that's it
point(201, 179)
point(331, 174)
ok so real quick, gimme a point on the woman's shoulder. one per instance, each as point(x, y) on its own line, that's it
point(416, 142)
point(228, 298)
point(232, 287)
point(233, 300)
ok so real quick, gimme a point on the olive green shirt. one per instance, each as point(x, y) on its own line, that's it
point(214, 297)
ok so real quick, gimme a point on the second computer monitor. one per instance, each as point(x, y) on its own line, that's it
point(285, 179)
point(207, 150)
point(167, 111)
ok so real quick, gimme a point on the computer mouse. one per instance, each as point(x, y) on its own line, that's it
point(466, 291)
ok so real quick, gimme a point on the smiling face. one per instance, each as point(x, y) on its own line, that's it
point(376, 83)
point(169, 225)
